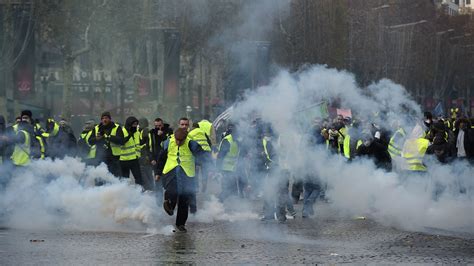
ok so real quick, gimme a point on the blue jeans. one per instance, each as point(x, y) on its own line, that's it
point(311, 194)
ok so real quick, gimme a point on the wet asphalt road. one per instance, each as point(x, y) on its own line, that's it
point(328, 238)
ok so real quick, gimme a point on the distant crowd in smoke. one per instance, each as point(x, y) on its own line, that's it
point(387, 159)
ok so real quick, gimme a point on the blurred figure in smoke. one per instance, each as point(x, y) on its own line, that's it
point(414, 150)
point(440, 146)
point(227, 161)
point(60, 139)
point(144, 158)
point(375, 148)
point(131, 150)
point(276, 194)
point(86, 151)
point(464, 136)
point(428, 121)
point(312, 185)
point(254, 158)
point(177, 166)
point(108, 138)
point(395, 144)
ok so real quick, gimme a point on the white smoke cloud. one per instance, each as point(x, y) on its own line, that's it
point(358, 188)
point(61, 194)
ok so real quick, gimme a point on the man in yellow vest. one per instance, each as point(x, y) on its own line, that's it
point(108, 138)
point(227, 159)
point(131, 150)
point(21, 141)
point(38, 146)
point(200, 136)
point(177, 166)
point(414, 151)
point(86, 151)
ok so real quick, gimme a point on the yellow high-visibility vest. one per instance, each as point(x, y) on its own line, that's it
point(180, 156)
point(21, 152)
point(199, 136)
point(230, 159)
point(394, 148)
point(414, 151)
point(131, 148)
point(116, 148)
point(92, 149)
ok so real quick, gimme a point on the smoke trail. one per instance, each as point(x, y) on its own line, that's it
point(61, 194)
point(359, 188)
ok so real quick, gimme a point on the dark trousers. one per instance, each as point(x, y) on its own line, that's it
point(276, 196)
point(134, 167)
point(147, 175)
point(296, 190)
point(232, 185)
point(113, 164)
point(179, 198)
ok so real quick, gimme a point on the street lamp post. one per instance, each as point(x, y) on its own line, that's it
point(121, 77)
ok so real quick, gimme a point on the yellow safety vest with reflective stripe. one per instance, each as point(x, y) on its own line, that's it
point(116, 148)
point(394, 148)
point(42, 146)
point(340, 140)
point(414, 151)
point(206, 126)
point(347, 146)
point(54, 132)
point(21, 152)
point(131, 148)
point(138, 139)
point(180, 156)
point(230, 159)
point(39, 138)
point(265, 141)
point(92, 149)
point(199, 136)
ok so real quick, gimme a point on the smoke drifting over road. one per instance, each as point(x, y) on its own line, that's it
point(61, 193)
point(358, 188)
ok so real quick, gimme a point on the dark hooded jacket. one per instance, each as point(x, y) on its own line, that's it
point(62, 142)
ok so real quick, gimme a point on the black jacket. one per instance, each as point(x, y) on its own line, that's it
point(103, 149)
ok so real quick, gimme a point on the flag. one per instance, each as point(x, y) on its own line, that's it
point(224, 116)
point(438, 110)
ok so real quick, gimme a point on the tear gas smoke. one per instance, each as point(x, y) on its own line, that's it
point(358, 187)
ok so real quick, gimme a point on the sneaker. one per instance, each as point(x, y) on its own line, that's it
point(265, 218)
point(181, 228)
point(167, 207)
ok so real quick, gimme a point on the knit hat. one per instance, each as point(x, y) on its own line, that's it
point(27, 113)
point(106, 114)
